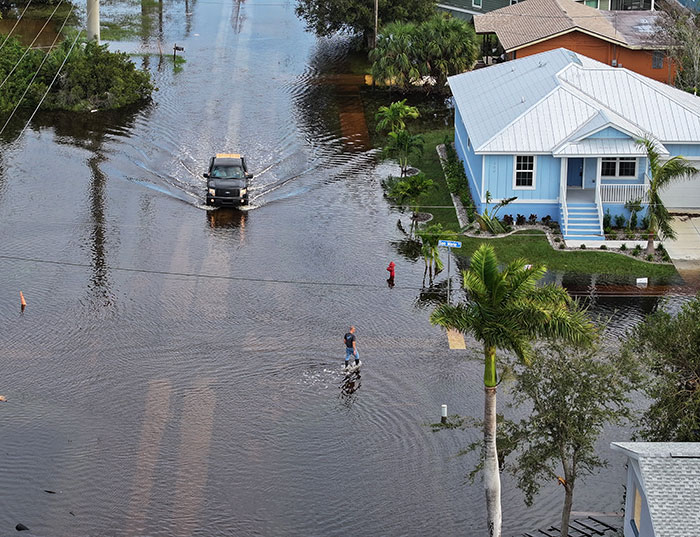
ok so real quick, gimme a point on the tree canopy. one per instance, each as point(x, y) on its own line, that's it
point(411, 55)
point(327, 17)
point(668, 349)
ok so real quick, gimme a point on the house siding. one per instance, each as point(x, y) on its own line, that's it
point(609, 132)
point(687, 150)
point(470, 160)
point(639, 61)
point(634, 483)
point(499, 178)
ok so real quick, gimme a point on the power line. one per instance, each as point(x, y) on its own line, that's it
point(16, 23)
point(43, 61)
point(31, 44)
point(48, 88)
point(578, 294)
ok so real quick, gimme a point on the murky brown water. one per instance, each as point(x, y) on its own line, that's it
point(176, 370)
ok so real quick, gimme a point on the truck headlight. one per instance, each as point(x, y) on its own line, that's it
point(212, 192)
point(244, 191)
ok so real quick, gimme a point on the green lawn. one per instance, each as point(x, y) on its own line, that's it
point(536, 249)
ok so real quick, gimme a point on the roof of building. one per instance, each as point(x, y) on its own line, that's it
point(540, 102)
point(670, 474)
point(525, 23)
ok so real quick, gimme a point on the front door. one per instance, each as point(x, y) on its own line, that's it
point(574, 174)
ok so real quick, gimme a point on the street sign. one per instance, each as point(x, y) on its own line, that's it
point(450, 244)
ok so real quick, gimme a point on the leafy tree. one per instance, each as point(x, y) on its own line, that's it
point(392, 118)
point(92, 77)
point(668, 348)
point(435, 49)
point(430, 237)
point(662, 175)
point(506, 310)
point(574, 394)
point(402, 145)
point(682, 29)
point(328, 17)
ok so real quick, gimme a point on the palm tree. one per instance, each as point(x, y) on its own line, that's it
point(430, 237)
point(506, 310)
point(393, 58)
point(407, 191)
point(392, 117)
point(402, 145)
point(662, 175)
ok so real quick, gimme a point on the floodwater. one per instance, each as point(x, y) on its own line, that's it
point(176, 369)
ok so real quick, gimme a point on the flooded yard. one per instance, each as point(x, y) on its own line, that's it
point(177, 368)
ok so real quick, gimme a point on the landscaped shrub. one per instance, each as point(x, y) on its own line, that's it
point(607, 230)
point(520, 220)
point(532, 220)
point(645, 222)
point(607, 219)
point(638, 248)
point(507, 220)
point(633, 220)
point(612, 235)
point(635, 253)
point(561, 246)
point(456, 179)
point(546, 220)
point(620, 221)
point(557, 239)
point(583, 247)
point(650, 257)
point(623, 247)
point(630, 236)
point(660, 248)
point(603, 247)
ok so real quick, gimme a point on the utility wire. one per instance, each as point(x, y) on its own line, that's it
point(16, 23)
point(53, 81)
point(31, 44)
point(43, 61)
point(590, 294)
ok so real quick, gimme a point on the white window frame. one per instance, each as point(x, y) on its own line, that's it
point(534, 172)
point(617, 169)
point(477, 3)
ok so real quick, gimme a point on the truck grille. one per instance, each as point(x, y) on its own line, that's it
point(228, 192)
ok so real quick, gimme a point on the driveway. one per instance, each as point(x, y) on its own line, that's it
point(686, 248)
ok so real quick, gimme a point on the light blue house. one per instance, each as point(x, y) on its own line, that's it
point(558, 130)
point(663, 488)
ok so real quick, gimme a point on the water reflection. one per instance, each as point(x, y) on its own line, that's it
point(349, 386)
point(227, 218)
point(27, 30)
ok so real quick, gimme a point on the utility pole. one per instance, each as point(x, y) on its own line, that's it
point(93, 20)
point(376, 21)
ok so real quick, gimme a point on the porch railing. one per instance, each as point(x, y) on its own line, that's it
point(623, 193)
point(564, 208)
point(599, 206)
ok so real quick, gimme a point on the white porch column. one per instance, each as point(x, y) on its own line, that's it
point(563, 179)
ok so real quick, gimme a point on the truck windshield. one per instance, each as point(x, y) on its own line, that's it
point(227, 172)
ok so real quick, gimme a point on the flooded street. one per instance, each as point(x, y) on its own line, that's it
point(177, 369)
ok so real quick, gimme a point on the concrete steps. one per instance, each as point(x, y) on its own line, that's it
point(583, 222)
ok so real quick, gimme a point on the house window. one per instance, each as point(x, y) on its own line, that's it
point(657, 60)
point(524, 171)
point(591, 3)
point(637, 514)
point(476, 3)
point(619, 167)
point(469, 142)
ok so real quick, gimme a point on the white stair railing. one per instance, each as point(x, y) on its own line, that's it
point(599, 206)
point(564, 208)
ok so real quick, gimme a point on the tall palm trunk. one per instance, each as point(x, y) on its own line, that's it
point(650, 241)
point(492, 476)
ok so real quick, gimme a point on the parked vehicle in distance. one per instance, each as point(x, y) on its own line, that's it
point(228, 180)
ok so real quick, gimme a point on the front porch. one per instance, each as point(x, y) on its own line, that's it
point(591, 185)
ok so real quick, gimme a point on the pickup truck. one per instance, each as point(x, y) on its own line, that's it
point(228, 180)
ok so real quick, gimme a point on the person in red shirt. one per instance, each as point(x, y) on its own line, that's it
point(390, 268)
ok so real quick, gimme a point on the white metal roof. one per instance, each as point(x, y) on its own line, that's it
point(538, 103)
